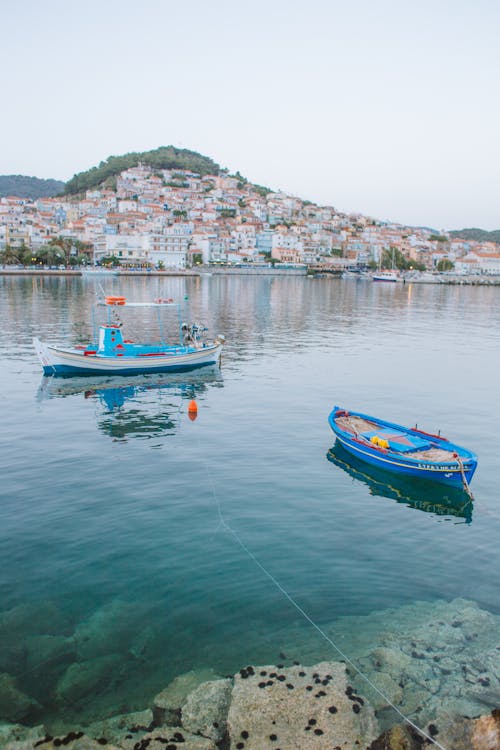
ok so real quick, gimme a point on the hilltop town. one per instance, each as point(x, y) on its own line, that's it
point(176, 218)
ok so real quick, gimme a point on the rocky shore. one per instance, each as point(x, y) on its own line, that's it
point(436, 662)
point(271, 706)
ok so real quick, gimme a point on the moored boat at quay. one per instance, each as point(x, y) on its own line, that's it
point(386, 276)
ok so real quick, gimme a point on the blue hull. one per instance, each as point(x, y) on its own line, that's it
point(447, 471)
point(431, 497)
point(68, 370)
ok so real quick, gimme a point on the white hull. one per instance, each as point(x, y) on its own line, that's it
point(424, 278)
point(389, 276)
point(56, 361)
point(98, 272)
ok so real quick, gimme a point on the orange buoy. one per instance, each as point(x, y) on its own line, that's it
point(192, 407)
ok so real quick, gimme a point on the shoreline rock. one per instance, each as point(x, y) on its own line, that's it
point(272, 706)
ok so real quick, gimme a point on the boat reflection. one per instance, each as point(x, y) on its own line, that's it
point(139, 406)
point(442, 500)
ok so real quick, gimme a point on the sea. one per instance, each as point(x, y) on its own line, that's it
point(138, 544)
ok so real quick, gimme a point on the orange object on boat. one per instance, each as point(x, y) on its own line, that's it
point(115, 300)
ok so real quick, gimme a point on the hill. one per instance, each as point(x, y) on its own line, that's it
point(29, 187)
point(481, 235)
point(165, 157)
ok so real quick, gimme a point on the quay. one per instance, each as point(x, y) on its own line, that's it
point(445, 279)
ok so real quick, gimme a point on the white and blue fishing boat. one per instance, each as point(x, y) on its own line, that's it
point(110, 354)
point(402, 450)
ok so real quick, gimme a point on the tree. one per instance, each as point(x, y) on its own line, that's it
point(29, 257)
point(11, 256)
point(165, 157)
point(69, 249)
point(415, 265)
point(51, 255)
point(110, 260)
point(445, 264)
point(394, 258)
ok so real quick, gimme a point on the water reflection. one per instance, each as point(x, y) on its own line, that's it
point(419, 494)
point(142, 406)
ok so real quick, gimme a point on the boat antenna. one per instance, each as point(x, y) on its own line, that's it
point(103, 293)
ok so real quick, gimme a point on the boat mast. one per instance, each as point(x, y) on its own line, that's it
point(160, 326)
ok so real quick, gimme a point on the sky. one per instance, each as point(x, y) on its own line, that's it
point(389, 108)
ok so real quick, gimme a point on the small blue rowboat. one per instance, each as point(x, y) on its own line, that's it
point(403, 450)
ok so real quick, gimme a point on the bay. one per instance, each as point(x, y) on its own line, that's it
point(168, 543)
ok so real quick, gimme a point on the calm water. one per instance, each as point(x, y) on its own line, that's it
point(112, 499)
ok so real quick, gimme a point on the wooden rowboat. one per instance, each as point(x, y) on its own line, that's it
point(403, 450)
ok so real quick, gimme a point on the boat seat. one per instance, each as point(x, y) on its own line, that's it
point(403, 442)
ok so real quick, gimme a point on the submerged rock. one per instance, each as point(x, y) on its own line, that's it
point(47, 657)
point(35, 618)
point(48, 651)
point(425, 658)
point(111, 629)
point(14, 704)
point(206, 708)
point(22, 622)
point(455, 733)
point(143, 642)
point(298, 708)
point(167, 705)
point(82, 678)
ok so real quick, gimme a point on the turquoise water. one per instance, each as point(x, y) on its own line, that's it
point(117, 510)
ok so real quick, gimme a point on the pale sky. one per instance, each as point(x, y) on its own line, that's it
point(389, 108)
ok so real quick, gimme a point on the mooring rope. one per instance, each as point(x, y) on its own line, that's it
point(465, 483)
point(225, 525)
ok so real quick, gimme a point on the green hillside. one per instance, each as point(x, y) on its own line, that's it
point(481, 235)
point(28, 187)
point(165, 157)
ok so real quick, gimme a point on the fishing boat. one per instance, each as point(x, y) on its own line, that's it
point(403, 450)
point(110, 354)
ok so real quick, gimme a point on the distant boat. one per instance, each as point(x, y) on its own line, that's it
point(111, 354)
point(98, 271)
point(386, 276)
point(402, 450)
point(391, 275)
point(424, 277)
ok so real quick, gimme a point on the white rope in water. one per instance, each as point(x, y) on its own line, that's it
point(223, 524)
